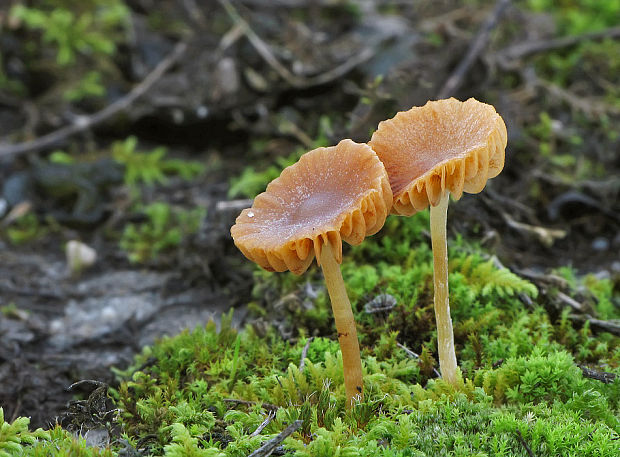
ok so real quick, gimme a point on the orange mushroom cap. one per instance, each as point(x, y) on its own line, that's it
point(331, 194)
point(443, 145)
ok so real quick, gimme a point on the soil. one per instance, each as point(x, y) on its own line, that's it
point(67, 328)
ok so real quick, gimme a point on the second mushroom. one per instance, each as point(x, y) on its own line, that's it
point(331, 194)
point(444, 147)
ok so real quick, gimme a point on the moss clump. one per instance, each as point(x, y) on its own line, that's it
point(206, 392)
point(164, 229)
point(199, 396)
point(17, 440)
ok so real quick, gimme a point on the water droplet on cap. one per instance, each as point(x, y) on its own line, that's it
point(250, 214)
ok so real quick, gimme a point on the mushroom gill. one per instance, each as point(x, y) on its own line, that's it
point(445, 145)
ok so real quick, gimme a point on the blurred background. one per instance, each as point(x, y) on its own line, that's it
point(132, 132)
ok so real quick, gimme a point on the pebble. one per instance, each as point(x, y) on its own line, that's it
point(600, 244)
point(79, 256)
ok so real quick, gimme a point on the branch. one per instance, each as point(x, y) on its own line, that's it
point(298, 82)
point(524, 444)
point(518, 51)
point(269, 446)
point(412, 354)
point(86, 122)
point(598, 324)
point(267, 406)
point(304, 354)
point(591, 107)
point(264, 424)
point(475, 48)
point(603, 376)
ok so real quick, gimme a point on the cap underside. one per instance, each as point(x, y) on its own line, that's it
point(445, 145)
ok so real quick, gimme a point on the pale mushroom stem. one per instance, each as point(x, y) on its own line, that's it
point(445, 334)
point(345, 326)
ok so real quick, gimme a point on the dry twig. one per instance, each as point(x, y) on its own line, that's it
point(545, 235)
point(264, 424)
point(83, 123)
point(475, 48)
point(524, 444)
point(603, 376)
point(591, 107)
point(251, 403)
point(233, 205)
point(269, 446)
point(545, 279)
point(304, 354)
point(412, 354)
point(570, 301)
point(298, 82)
point(508, 57)
point(598, 324)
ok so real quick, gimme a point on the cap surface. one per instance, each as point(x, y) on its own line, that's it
point(445, 145)
point(331, 194)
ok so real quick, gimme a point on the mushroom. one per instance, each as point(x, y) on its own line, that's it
point(444, 147)
point(331, 194)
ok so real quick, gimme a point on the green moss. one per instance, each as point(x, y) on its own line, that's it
point(75, 42)
point(25, 228)
point(183, 403)
point(578, 16)
point(164, 228)
point(603, 291)
point(17, 440)
point(91, 31)
point(152, 167)
point(205, 392)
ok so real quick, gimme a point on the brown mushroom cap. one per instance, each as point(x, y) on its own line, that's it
point(331, 194)
point(443, 145)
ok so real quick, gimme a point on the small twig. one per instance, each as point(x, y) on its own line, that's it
point(304, 354)
point(606, 186)
point(89, 382)
point(264, 424)
point(448, 22)
point(589, 106)
point(264, 51)
point(498, 199)
point(570, 301)
point(507, 56)
point(269, 446)
point(232, 205)
point(601, 325)
point(18, 406)
point(606, 326)
point(83, 123)
point(524, 444)
point(412, 354)
point(251, 403)
point(194, 12)
point(49, 294)
point(475, 48)
point(603, 376)
point(545, 235)
point(550, 279)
